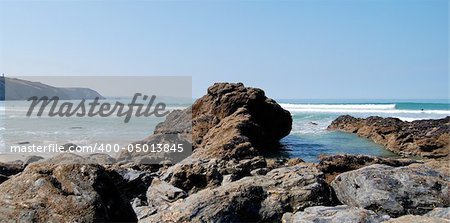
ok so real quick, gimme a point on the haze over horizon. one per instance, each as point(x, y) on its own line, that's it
point(291, 49)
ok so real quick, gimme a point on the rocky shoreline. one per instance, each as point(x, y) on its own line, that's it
point(228, 178)
point(425, 138)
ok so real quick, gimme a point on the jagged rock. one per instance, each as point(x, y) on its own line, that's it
point(333, 165)
point(395, 191)
point(61, 192)
point(427, 138)
point(337, 214)
point(253, 198)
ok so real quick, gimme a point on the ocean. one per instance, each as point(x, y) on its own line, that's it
point(307, 140)
point(309, 136)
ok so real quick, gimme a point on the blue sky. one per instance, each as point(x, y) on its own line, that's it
point(292, 49)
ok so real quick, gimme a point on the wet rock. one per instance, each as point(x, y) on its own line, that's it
point(427, 138)
point(333, 165)
point(337, 214)
point(414, 189)
point(61, 192)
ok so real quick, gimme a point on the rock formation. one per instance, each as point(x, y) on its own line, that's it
point(427, 138)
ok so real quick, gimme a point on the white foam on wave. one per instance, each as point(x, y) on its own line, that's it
point(349, 111)
point(339, 106)
point(358, 109)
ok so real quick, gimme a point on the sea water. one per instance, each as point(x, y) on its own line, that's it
point(309, 136)
point(308, 139)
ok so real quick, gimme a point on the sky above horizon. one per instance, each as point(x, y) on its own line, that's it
point(350, 49)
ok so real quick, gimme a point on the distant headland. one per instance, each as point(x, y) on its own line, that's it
point(18, 89)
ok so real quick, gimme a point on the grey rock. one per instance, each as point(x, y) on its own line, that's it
point(413, 189)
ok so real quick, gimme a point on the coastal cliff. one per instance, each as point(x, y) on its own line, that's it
point(17, 89)
point(426, 138)
point(228, 177)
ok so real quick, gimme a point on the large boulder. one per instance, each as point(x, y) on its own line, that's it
point(395, 191)
point(62, 192)
point(427, 138)
point(337, 214)
point(224, 99)
point(230, 122)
